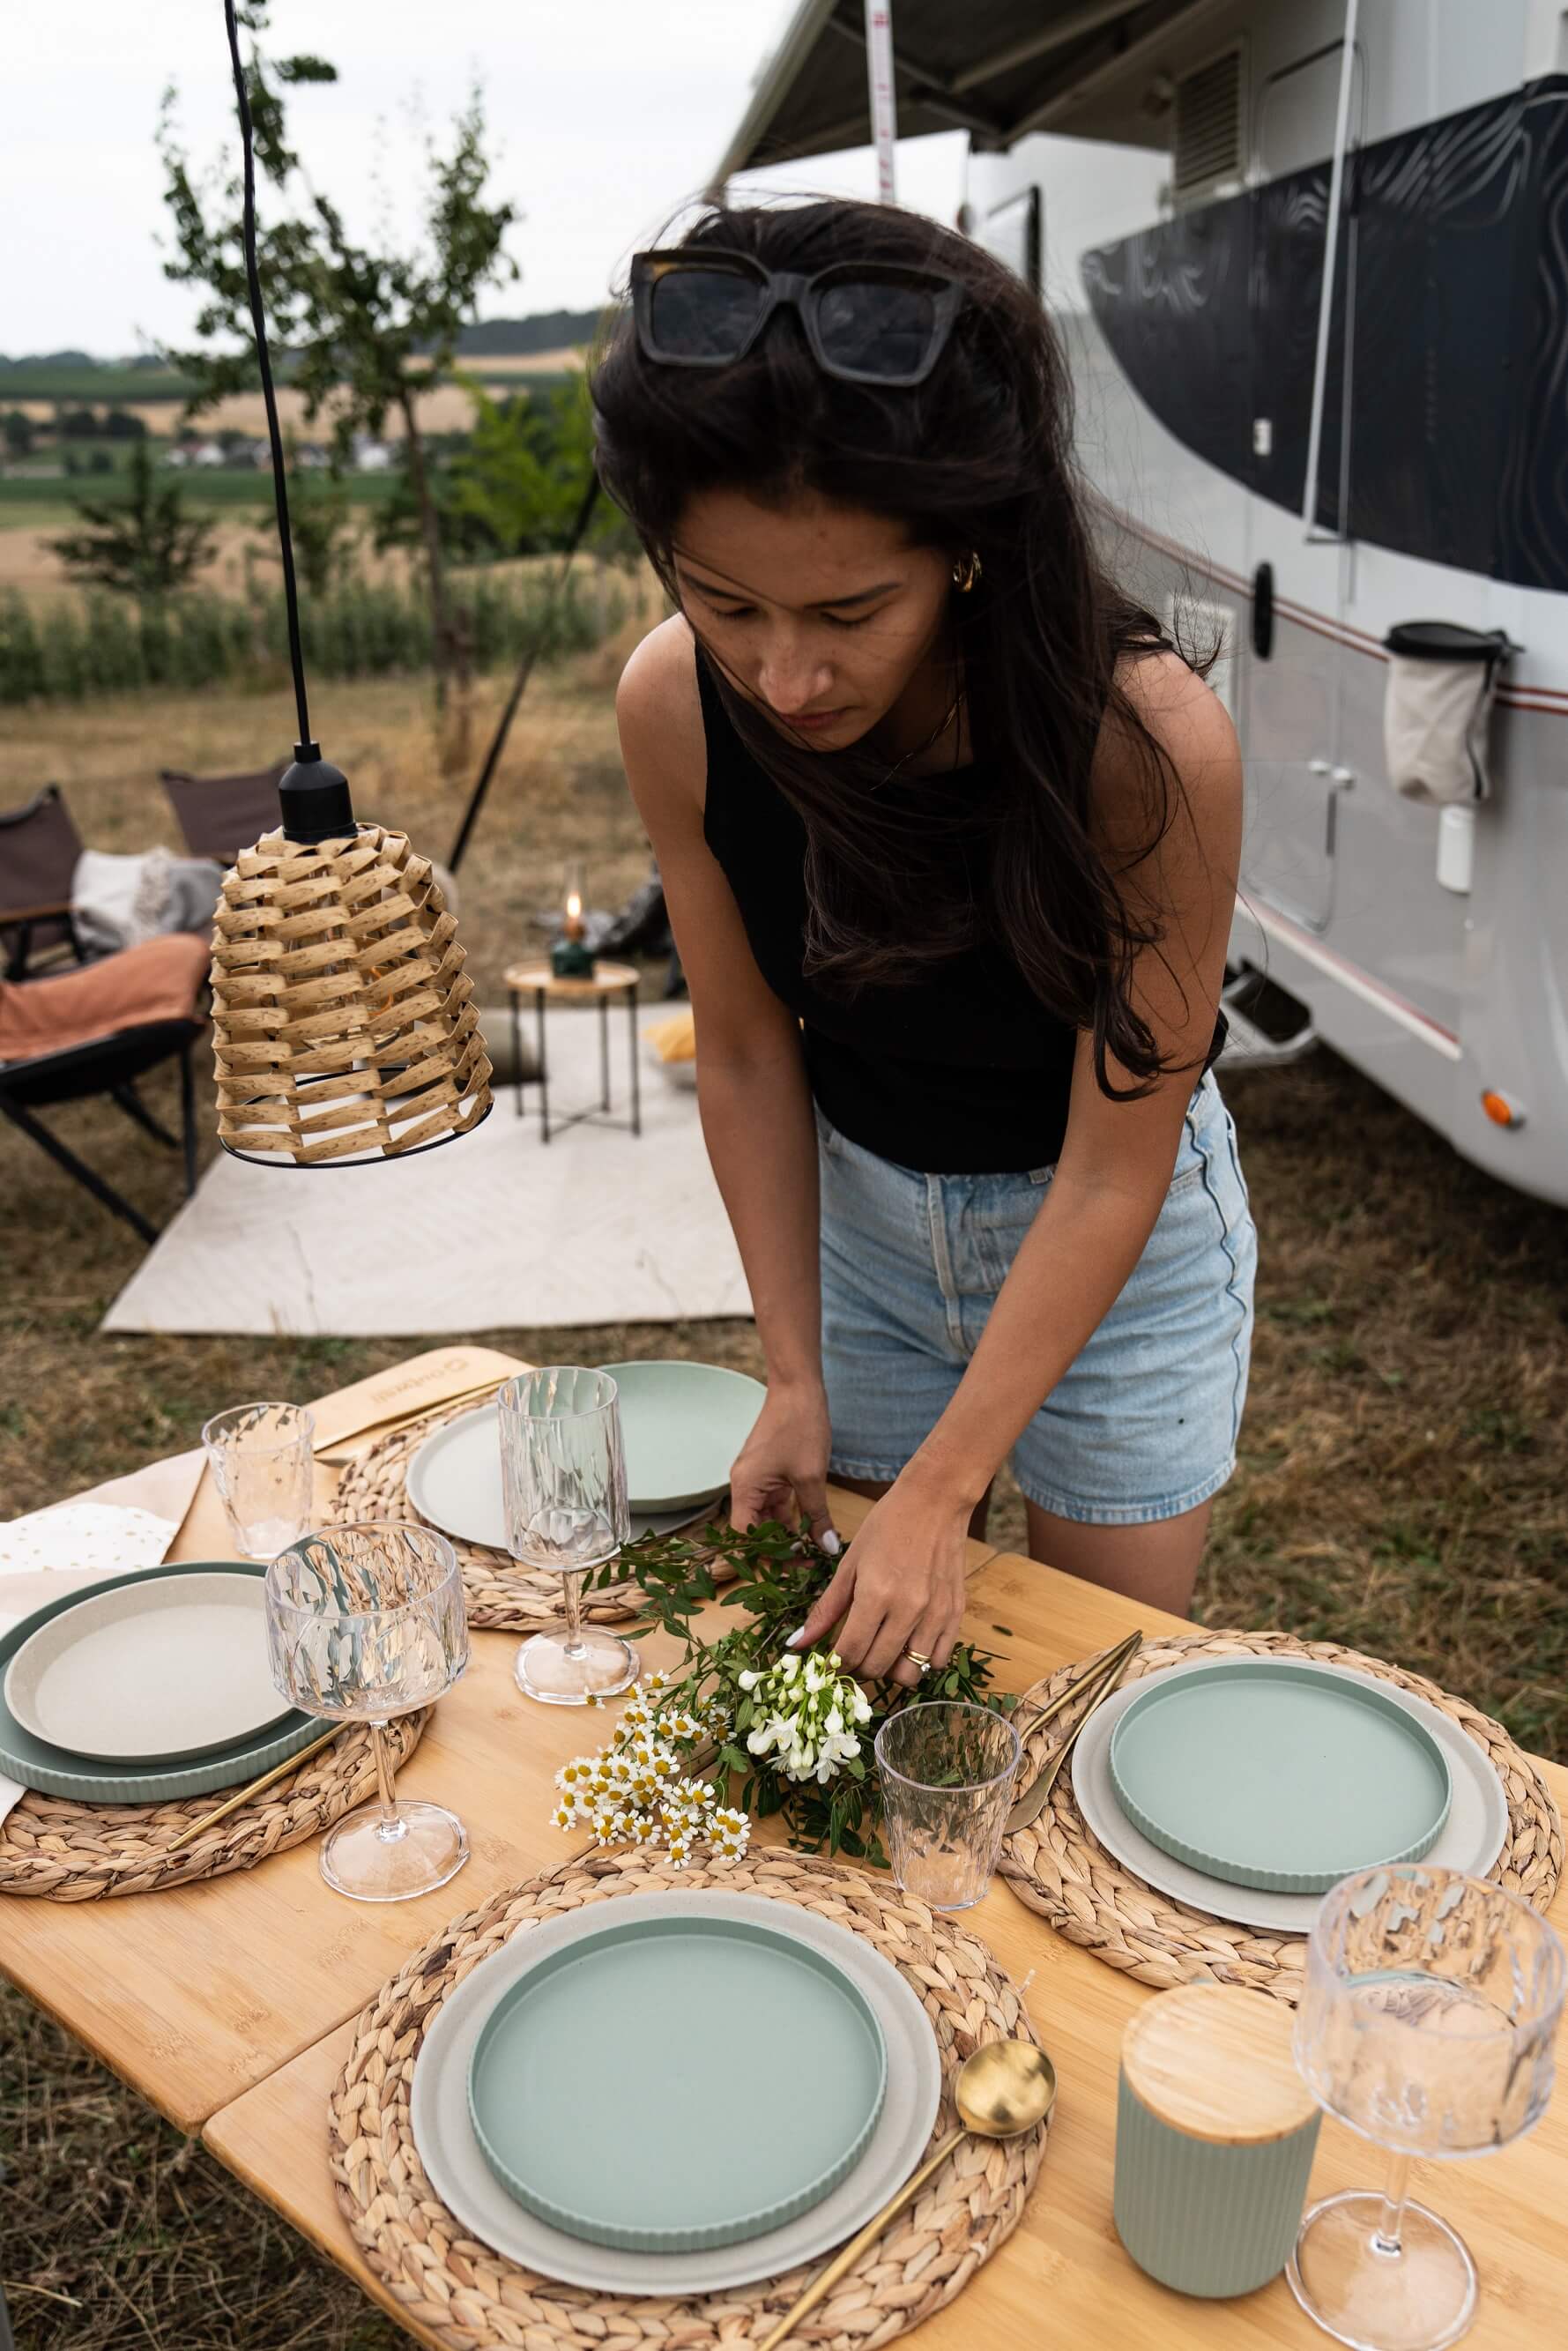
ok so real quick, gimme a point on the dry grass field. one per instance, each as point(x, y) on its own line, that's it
point(1403, 1487)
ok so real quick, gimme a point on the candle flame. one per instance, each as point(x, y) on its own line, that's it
point(574, 905)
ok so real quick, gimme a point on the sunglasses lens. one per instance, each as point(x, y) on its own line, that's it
point(876, 329)
point(702, 313)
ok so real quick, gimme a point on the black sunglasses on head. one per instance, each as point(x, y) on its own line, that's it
point(868, 322)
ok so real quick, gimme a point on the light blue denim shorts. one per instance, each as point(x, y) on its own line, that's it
point(1143, 1424)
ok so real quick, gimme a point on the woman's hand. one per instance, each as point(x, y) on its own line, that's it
point(901, 1587)
point(781, 1470)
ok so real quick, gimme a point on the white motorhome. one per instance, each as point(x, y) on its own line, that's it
point(1311, 261)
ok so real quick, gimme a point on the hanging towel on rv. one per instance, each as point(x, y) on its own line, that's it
point(1441, 681)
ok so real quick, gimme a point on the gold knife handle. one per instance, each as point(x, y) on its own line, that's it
point(851, 2253)
point(1033, 1801)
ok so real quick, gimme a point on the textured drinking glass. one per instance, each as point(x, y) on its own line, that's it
point(365, 1622)
point(263, 1466)
point(1427, 2024)
point(563, 1474)
point(947, 1772)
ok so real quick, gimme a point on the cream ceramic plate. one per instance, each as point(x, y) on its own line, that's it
point(443, 2133)
point(1470, 1838)
point(455, 1481)
point(169, 1667)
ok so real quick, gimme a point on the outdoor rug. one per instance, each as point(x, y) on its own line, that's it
point(496, 1230)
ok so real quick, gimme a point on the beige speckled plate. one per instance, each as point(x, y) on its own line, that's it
point(169, 1667)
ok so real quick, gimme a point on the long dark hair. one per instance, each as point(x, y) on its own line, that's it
point(975, 460)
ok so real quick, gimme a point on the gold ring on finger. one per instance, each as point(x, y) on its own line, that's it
point(915, 1658)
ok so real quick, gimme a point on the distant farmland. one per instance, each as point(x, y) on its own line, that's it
point(87, 386)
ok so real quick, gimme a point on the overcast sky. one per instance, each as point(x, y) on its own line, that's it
point(605, 115)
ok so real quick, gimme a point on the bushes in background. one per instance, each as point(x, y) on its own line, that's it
point(106, 644)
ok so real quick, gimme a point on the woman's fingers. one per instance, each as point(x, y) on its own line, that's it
point(827, 1612)
point(933, 1638)
point(811, 1493)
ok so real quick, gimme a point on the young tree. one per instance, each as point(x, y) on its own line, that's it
point(369, 326)
point(320, 526)
point(146, 543)
point(19, 435)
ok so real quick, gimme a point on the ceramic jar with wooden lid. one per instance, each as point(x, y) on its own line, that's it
point(1215, 2137)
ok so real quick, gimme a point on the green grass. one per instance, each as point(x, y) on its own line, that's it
point(221, 487)
point(96, 385)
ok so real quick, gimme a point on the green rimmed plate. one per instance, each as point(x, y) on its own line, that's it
point(1284, 1776)
point(608, 2088)
point(682, 1425)
point(146, 1780)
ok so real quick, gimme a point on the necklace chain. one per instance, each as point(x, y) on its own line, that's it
point(935, 737)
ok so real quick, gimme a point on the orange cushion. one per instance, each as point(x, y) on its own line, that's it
point(159, 980)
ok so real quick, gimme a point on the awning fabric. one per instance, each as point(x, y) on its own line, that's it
point(997, 69)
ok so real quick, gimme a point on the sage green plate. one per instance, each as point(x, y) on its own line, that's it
point(682, 1425)
point(1284, 1776)
point(672, 2084)
point(455, 1481)
point(146, 1779)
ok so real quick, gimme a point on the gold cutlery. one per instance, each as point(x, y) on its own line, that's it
point(1006, 2087)
point(1049, 1708)
point(243, 1795)
point(1096, 1685)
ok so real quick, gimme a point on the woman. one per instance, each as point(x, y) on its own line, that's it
point(949, 836)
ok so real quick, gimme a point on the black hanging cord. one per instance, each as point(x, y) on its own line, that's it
point(305, 749)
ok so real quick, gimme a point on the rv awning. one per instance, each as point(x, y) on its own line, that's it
point(995, 68)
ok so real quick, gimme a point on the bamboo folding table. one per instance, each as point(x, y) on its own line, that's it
point(229, 2005)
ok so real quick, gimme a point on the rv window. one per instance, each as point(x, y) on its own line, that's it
point(1014, 232)
point(1298, 109)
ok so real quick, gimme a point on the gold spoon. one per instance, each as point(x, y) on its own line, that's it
point(1004, 2088)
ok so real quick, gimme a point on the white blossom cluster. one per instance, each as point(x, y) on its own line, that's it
point(810, 1714)
point(640, 1789)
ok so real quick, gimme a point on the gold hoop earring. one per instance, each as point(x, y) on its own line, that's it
point(966, 571)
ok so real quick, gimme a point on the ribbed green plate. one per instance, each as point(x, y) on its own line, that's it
point(672, 2085)
point(149, 1780)
point(1284, 1776)
point(682, 1425)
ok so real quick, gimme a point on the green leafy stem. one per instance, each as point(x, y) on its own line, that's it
point(778, 1577)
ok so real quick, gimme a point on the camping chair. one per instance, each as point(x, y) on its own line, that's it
point(220, 815)
point(95, 1032)
point(39, 846)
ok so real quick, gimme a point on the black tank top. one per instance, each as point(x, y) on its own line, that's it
point(960, 1072)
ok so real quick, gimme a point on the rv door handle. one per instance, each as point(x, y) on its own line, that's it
point(1342, 778)
point(1317, 767)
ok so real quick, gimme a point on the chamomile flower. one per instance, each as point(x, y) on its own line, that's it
point(565, 1816)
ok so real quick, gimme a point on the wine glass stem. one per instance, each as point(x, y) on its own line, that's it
point(389, 1828)
point(571, 1593)
point(1391, 2220)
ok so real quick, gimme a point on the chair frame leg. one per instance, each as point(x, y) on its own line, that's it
point(58, 1152)
point(187, 1132)
point(132, 1103)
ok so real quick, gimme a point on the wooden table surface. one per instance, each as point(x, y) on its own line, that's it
point(231, 2005)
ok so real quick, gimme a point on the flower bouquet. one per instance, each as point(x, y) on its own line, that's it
point(743, 1725)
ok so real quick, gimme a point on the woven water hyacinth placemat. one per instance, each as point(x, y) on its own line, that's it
point(469, 2297)
point(71, 1852)
point(503, 1595)
point(1059, 1868)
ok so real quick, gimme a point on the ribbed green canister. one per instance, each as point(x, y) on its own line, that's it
point(1215, 2138)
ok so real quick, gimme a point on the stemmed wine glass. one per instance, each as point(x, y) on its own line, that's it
point(563, 1473)
point(365, 1622)
point(1427, 2024)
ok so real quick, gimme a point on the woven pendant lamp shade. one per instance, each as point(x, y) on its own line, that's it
point(343, 1021)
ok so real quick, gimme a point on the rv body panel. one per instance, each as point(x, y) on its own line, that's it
point(1193, 337)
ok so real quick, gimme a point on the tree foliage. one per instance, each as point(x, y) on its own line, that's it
point(367, 328)
point(145, 543)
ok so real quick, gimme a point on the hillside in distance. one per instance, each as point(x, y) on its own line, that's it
point(544, 330)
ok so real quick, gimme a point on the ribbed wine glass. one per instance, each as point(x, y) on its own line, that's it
point(1428, 2022)
point(366, 1622)
point(563, 1473)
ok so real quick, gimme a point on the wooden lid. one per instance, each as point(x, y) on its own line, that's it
point(1215, 2061)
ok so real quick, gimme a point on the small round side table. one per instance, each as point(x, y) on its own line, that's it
point(610, 980)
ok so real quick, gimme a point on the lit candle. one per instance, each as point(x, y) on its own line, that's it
point(573, 924)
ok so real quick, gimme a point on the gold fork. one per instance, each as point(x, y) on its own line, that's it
point(1097, 1684)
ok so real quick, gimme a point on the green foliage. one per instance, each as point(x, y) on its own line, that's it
point(779, 1576)
point(369, 326)
point(146, 543)
point(19, 435)
point(109, 644)
point(320, 526)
